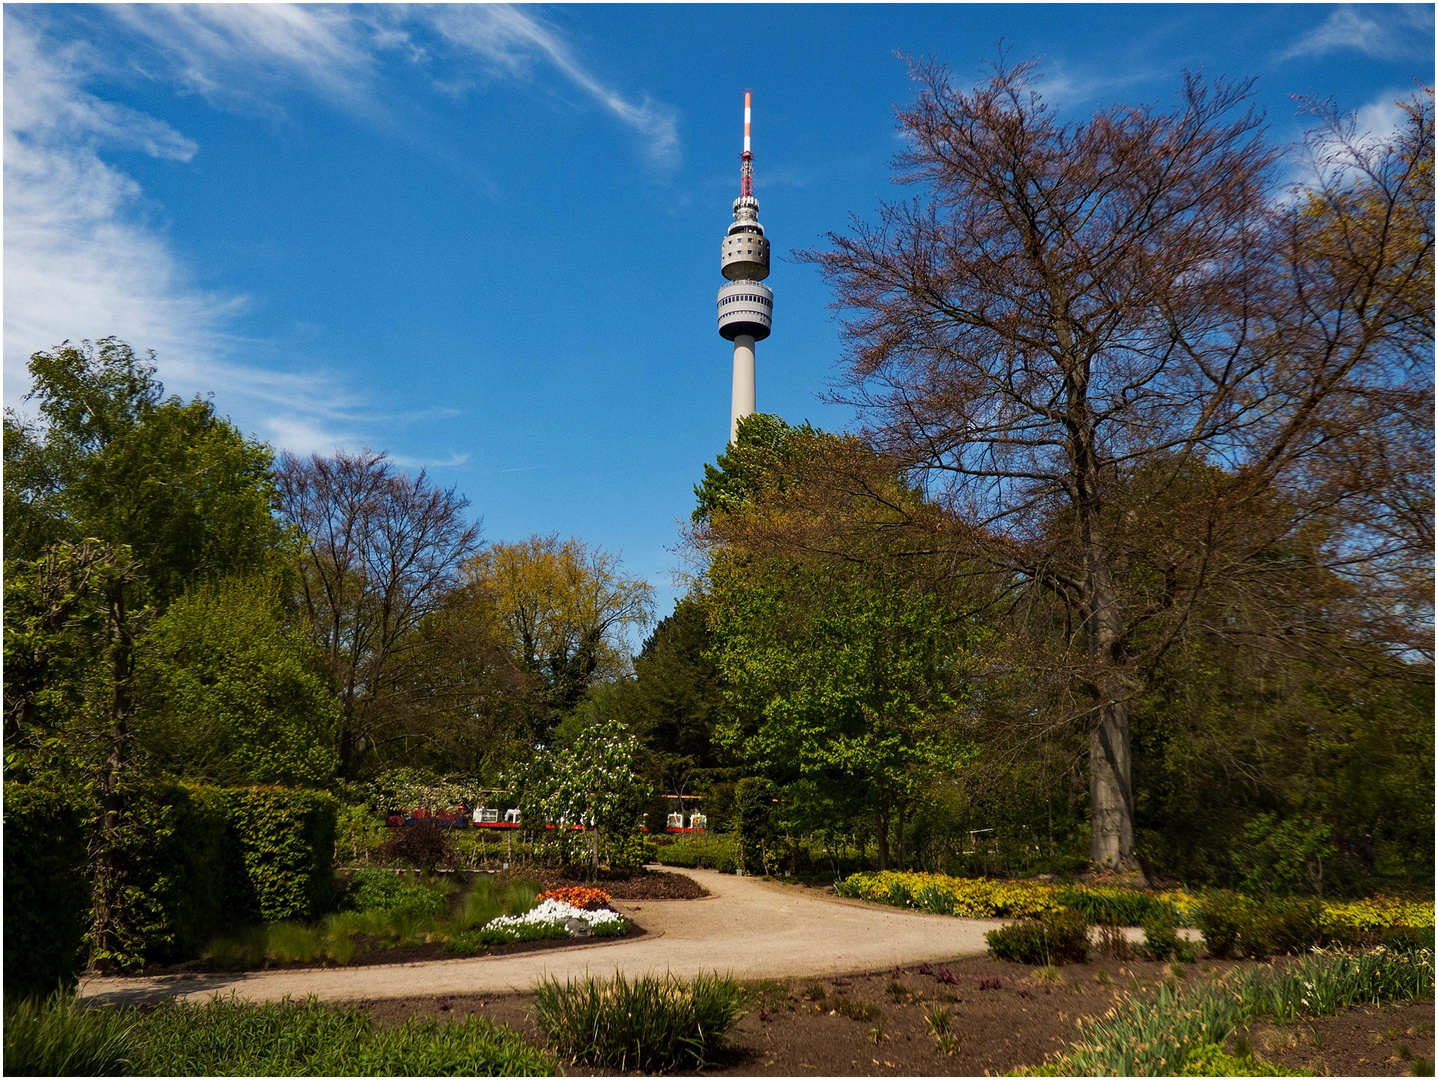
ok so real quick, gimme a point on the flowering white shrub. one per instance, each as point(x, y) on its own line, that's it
point(555, 912)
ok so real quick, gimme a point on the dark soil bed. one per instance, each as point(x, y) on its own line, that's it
point(1003, 1015)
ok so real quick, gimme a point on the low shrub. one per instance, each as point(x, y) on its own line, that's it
point(618, 928)
point(57, 1036)
point(1056, 938)
point(425, 845)
point(1220, 917)
point(381, 890)
point(1115, 907)
point(1231, 924)
point(1160, 937)
point(1407, 938)
point(648, 1023)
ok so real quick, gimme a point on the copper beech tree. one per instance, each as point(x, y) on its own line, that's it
point(1154, 391)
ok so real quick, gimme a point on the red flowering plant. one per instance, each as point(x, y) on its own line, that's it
point(579, 896)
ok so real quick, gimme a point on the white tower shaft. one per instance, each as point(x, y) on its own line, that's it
point(743, 399)
point(746, 304)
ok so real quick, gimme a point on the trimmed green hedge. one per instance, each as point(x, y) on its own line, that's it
point(286, 839)
point(709, 853)
point(195, 861)
point(47, 899)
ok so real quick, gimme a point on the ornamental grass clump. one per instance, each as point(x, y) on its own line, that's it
point(647, 1024)
point(1160, 1032)
point(57, 1036)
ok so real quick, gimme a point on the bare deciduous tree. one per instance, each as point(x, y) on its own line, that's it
point(383, 552)
point(1140, 373)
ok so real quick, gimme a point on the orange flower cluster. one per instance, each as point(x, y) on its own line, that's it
point(579, 896)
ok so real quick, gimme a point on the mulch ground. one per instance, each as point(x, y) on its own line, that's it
point(1004, 1016)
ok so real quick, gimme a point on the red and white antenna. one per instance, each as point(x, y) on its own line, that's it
point(746, 171)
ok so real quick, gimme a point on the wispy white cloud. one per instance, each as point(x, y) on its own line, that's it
point(84, 256)
point(1382, 31)
point(510, 41)
point(78, 259)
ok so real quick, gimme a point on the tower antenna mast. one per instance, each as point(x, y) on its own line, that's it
point(746, 304)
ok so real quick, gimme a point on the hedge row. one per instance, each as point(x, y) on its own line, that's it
point(701, 853)
point(195, 861)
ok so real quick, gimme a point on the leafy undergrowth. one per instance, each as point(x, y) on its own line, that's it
point(1170, 1031)
point(646, 1023)
point(230, 1038)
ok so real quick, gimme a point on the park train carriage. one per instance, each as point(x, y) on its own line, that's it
point(675, 822)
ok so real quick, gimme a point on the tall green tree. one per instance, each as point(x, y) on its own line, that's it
point(110, 456)
point(846, 673)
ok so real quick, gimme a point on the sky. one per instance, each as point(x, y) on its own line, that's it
point(486, 239)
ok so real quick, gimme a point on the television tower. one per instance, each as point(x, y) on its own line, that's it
point(746, 304)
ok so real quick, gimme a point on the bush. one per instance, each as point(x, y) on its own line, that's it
point(47, 900)
point(1407, 938)
point(619, 928)
point(755, 821)
point(1231, 923)
point(1221, 917)
point(57, 1036)
point(425, 844)
point(1160, 938)
point(286, 840)
point(1057, 938)
point(227, 1037)
point(647, 1024)
point(381, 890)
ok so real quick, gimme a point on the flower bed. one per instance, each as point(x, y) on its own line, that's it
point(1377, 913)
point(577, 896)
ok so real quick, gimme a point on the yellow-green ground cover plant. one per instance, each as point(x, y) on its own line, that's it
point(226, 1037)
point(1169, 1031)
point(1338, 921)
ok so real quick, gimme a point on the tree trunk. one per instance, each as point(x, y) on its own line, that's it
point(1110, 791)
point(106, 889)
point(882, 835)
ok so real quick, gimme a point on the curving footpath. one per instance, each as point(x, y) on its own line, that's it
point(747, 928)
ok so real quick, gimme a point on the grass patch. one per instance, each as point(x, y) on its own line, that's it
point(646, 1023)
point(226, 1037)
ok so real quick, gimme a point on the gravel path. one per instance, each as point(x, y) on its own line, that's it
point(748, 928)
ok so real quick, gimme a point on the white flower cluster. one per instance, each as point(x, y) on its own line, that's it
point(555, 911)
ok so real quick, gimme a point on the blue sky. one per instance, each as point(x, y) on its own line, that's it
point(486, 239)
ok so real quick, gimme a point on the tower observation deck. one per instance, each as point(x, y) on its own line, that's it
point(746, 304)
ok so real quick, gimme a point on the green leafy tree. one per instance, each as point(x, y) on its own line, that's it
point(591, 782)
point(233, 692)
point(845, 670)
point(110, 457)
